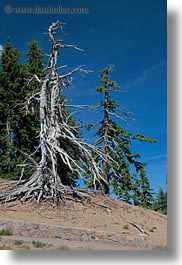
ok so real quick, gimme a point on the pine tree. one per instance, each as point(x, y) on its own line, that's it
point(160, 203)
point(35, 60)
point(118, 161)
point(21, 130)
point(142, 193)
point(11, 85)
point(29, 127)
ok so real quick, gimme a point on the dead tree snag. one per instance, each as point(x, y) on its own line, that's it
point(56, 138)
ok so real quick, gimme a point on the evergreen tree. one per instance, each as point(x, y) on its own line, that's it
point(29, 126)
point(35, 60)
point(160, 203)
point(118, 161)
point(11, 85)
point(19, 130)
point(142, 193)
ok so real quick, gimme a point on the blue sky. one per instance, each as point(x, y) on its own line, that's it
point(129, 34)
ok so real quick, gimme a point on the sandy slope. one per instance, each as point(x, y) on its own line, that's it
point(101, 214)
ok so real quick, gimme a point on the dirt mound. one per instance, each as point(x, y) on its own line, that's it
point(101, 213)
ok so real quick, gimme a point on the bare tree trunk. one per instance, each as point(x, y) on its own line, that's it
point(43, 122)
point(106, 142)
point(55, 137)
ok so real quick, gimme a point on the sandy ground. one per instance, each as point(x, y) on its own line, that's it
point(27, 243)
point(102, 213)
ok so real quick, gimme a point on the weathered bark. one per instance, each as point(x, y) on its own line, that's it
point(56, 137)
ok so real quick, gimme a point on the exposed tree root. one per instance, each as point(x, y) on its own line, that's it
point(59, 145)
point(41, 189)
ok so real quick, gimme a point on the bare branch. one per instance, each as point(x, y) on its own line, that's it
point(33, 162)
point(79, 69)
point(117, 90)
point(137, 226)
point(59, 145)
point(70, 46)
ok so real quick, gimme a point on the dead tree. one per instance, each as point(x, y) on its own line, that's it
point(56, 137)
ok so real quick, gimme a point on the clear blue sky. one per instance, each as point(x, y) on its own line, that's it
point(129, 34)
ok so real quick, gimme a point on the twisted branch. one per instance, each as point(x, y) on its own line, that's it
point(58, 144)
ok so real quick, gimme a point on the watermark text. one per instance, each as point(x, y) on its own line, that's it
point(45, 10)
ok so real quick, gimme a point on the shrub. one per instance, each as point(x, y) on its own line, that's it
point(38, 244)
point(63, 248)
point(5, 232)
point(126, 227)
point(18, 242)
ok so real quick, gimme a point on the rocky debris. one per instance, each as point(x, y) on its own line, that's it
point(40, 230)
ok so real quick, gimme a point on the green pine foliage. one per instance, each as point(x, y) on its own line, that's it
point(142, 193)
point(125, 174)
point(160, 204)
point(12, 84)
point(31, 127)
point(35, 59)
point(19, 131)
